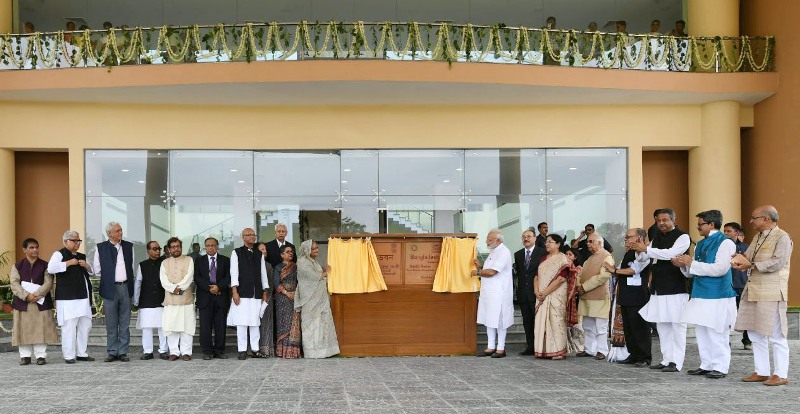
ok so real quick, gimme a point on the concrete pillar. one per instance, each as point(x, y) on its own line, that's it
point(635, 188)
point(8, 240)
point(712, 17)
point(715, 166)
point(77, 206)
point(6, 16)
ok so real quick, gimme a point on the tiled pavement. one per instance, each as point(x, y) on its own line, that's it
point(388, 385)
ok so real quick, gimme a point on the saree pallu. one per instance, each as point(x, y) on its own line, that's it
point(287, 320)
point(617, 330)
point(575, 336)
point(550, 328)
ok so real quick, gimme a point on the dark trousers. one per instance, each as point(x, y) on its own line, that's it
point(637, 334)
point(118, 320)
point(528, 317)
point(745, 338)
point(212, 319)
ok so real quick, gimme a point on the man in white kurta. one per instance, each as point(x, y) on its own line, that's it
point(249, 283)
point(712, 307)
point(496, 301)
point(178, 320)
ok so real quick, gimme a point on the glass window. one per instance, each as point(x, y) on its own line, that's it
point(126, 173)
point(587, 171)
point(300, 173)
point(360, 172)
point(421, 172)
point(211, 173)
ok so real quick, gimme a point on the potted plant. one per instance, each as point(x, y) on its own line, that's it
point(5, 289)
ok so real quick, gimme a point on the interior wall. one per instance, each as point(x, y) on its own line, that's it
point(769, 149)
point(42, 195)
point(666, 185)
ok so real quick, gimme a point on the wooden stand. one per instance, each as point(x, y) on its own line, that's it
point(409, 318)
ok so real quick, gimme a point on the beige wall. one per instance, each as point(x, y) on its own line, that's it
point(666, 185)
point(770, 152)
point(42, 188)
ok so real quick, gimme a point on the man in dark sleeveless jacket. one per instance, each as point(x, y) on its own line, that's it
point(669, 288)
point(73, 297)
point(148, 295)
point(34, 325)
point(113, 262)
point(249, 284)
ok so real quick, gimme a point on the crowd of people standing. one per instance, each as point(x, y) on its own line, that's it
point(274, 296)
point(658, 282)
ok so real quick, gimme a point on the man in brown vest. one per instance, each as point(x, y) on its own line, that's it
point(762, 310)
point(595, 300)
point(178, 321)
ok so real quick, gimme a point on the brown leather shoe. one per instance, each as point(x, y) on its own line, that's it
point(187, 357)
point(754, 377)
point(776, 380)
point(599, 356)
point(25, 361)
point(173, 357)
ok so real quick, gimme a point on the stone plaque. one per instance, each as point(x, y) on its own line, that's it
point(390, 259)
point(421, 261)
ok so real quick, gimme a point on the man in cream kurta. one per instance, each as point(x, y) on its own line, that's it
point(762, 310)
point(595, 301)
point(496, 303)
point(178, 320)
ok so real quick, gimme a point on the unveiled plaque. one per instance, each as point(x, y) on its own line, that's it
point(422, 259)
point(390, 259)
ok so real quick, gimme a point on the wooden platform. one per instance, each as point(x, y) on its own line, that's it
point(409, 318)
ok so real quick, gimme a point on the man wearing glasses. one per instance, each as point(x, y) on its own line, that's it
point(712, 308)
point(526, 264)
point(178, 320)
point(73, 297)
point(148, 295)
point(762, 310)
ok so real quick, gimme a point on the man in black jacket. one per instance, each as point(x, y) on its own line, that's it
point(526, 264)
point(633, 277)
point(213, 279)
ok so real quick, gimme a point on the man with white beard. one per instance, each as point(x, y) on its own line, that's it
point(496, 302)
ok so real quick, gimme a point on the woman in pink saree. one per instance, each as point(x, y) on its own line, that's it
point(550, 337)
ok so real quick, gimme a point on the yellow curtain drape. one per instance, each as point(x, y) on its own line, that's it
point(454, 273)
point(354, 267)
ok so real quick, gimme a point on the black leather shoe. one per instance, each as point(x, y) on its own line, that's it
point(208, 357)
point(642, 364)
point(583, 354)
point(124, 358)
point(485, 353)
point(25, 361)
point(110, 358)
point(715, 375)
point(41, 361)
point(499, 354)
point(164, 356)
point(242, 356)
point(627, 361)
point(698, 371)
point(527, 352)
point(220, 355)
point(670, 368)
point(69, 361)
point(85, 359)
point(145, 357)
point(659, 366)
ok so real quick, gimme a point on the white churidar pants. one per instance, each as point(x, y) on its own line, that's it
point(500, 334)
point(714, 348)
point(75, 333)
point(28, 351)
point(780, 351)
point(241, 337)
point(147, 341)
point(672, 339)
point(179, 343)
point(595, 332)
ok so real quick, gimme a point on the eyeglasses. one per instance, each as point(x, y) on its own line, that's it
point(756, 218)
point(701, 224)
point(631, 237)
point(78, 241)
point(528, 238)
point(155, 249)
point(248, 235)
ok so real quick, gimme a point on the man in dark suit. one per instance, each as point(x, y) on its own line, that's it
point(213, 279)
point(274, 250)
point(526, 264)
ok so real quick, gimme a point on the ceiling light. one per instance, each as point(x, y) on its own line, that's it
point(344, 181)
point(234, 170)
point(241, 181)
point(446, 181)
point(573, 168)
point(126, 170)
point(459, 169)
point(346, 170)
point(141, 181)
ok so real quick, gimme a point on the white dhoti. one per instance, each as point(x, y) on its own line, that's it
point(665, 311)
point(149, 319)
point(713, 319)
point(246, 316)
point(75, 319)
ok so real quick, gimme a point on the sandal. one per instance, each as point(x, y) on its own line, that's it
point(558, 358)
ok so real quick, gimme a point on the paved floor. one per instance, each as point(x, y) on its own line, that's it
point(420, 384)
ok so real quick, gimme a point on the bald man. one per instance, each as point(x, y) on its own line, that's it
point(762, 310)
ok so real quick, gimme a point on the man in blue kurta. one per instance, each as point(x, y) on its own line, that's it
point(712, 307)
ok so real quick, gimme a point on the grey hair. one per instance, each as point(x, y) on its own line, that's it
point(281, 225)
point(111, 225)
point(772, 214)
point(599, 237)
point(641, 232)
point(498, 234)
point(70, 234)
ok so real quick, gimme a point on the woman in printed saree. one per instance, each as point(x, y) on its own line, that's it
point(550, 337)
point(287, 320)
point(575, 336)
point(266, 342)
point(312, 300)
